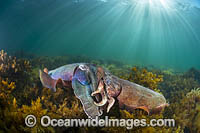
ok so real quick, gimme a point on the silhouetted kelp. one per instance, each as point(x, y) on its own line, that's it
point(21, 93)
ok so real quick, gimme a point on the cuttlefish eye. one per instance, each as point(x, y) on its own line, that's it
point(82, 76)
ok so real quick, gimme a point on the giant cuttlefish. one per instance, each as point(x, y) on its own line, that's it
point(98, 89)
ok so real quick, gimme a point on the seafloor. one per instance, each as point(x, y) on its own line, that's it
point(21, 93)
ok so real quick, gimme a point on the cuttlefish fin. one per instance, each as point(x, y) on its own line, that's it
point(47, 81)
point(143, 108)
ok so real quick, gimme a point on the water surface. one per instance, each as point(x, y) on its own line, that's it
point(162, 33)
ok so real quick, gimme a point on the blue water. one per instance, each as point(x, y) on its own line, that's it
point(162, 33)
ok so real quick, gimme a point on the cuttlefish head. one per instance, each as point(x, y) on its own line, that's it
point(95, 89)
point(84, 82)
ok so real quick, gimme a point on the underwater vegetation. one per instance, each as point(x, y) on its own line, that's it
point(178, 85)
point(21, 93)
point(145, 78)
point(186, 111)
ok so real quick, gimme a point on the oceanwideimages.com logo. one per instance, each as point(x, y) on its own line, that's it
point(46, 121)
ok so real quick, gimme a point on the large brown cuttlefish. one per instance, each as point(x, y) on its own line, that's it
point(97, 89)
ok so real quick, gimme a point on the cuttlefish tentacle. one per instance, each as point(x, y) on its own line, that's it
point(111, 102)
point(100, 90)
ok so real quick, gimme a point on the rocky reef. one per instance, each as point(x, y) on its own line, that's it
point(21, 93)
